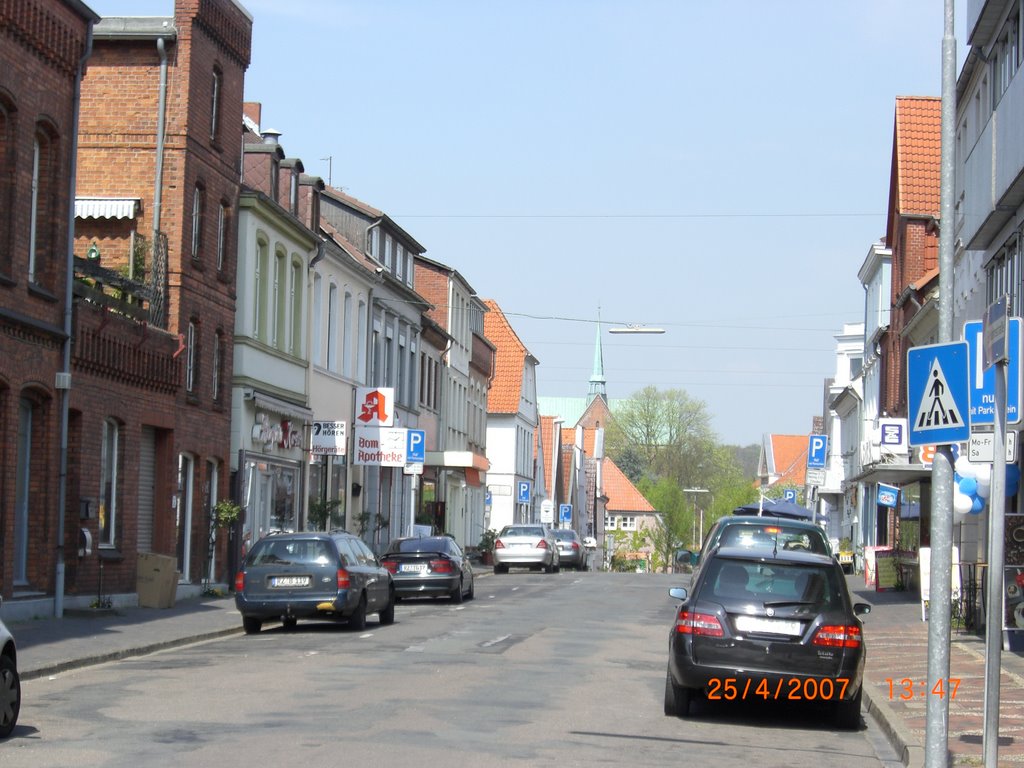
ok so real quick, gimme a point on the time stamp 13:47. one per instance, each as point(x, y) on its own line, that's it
point(906, 688)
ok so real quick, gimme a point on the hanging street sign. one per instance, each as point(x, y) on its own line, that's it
point(938, 398)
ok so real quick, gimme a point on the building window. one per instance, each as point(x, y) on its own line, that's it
point(191, 358)
point(6, 186)
point(332, 328)
point(197, 220)
point(347, 330)
point(400, 262)
point(259, 289)
point(215, 88)
point(1003, 274)
point(222, 234)
point(388, 245)
point(109, 461)
point(44, 208)
point(361, 343)
point(278, 300)
point(374, 243)
point(317, 319)
point(297, 308)
point(218, 357)
point(400, 392)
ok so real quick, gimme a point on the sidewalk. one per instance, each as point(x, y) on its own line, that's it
point(897, 642)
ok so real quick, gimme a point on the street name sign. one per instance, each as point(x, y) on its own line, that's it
point(938, 397)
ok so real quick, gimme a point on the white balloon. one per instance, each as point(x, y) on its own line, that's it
point(962, 503)
point(983, 472)
point(983, 488)
point(964, 468)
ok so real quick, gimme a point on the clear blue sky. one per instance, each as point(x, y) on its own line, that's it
point(716, 169)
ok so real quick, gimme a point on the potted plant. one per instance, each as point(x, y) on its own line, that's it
point(486, 546)
point(324, 514)
point(226, 513)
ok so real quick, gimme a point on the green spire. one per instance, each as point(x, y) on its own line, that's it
point(597, 379)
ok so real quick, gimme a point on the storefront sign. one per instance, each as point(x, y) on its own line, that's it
point(887, 495)
point(375, 406)
point(384, 447)
point(275, 434)
point(329, 438)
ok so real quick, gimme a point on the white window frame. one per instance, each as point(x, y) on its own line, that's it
point(222, 224)
point(190, 357)
point(109, 460)
point(197, 220)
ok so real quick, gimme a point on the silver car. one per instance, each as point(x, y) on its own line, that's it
point(530, 545)
point(571, 552)
point(10, 683)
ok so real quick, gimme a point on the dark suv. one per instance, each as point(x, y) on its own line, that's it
point(759, 532)
point(767, 625)
point(331, 576)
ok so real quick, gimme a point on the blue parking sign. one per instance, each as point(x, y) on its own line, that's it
point(523, 496)
point(565, 513)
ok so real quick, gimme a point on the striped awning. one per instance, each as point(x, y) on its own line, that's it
point(106, 207)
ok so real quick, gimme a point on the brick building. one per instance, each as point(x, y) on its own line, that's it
point(44, 45)
point(157, 194)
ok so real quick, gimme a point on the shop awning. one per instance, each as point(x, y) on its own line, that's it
point(281, 407)
point(106, 207)
point(895, 474)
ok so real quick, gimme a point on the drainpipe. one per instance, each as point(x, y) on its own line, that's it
point(160, 130)
point(63, 383)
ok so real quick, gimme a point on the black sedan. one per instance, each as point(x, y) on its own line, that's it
point(332, 576)
point(767, 626)
point(429, 566)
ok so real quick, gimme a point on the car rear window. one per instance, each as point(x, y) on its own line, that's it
point(782, 583)
point(523, 530)
point(430, 544)
point(565, 535)
point(291, 551)
point(773, 536)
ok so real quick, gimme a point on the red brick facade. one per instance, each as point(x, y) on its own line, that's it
point(207, 52)
point(42, 46)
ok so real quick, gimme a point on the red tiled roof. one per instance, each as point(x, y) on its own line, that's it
point(509, 361)
point(622, 494)
point(917, 144)
point(546, 440)
point(790, 453)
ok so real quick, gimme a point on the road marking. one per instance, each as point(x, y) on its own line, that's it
point(495, 641)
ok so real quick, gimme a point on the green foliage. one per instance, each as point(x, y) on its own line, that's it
point(324, 515)
point(487, 539)
point(226, 513)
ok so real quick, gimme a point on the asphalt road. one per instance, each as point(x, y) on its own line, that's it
point(562, 669)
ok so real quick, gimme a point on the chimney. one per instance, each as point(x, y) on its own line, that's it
point(270, 136)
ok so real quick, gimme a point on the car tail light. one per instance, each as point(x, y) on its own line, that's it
point(575, 545)
point(692, 623)
point(838, 636)
point(441, 566)
point(391, 565)
point(240, 581)
point(344, 582)
point(498, 544)
point(542, 544)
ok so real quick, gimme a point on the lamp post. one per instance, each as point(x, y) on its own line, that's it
point(695, 491)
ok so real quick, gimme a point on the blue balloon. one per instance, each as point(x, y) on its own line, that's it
point(969, 486)
point(1012, 474)
point(977, 506)
point(1012, 487)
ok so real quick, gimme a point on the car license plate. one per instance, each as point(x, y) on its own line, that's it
point(414, 568)
point(289, 581)
point(771, 626)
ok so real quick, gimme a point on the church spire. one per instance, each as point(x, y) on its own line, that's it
point(597, 379)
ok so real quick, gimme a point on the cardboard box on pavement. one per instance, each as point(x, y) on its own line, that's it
point(157, 580)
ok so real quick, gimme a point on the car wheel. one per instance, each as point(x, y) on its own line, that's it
point(456, 594)
point(387, 615)
point(500, 569)
point(677, 699)
point(251, 625)
point(472, 589)
point(848, 713)
point(289, 622)
point(549, 567)
point(357, 621)
point(10, 696)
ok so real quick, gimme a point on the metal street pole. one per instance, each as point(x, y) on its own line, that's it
point(939, 618)
point(996, 556)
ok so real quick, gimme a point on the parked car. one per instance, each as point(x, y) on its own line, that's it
point(429, 566)
point(331, 576)
point(759, 532)
point(530, 545)
point(10, 683)
point(765, 625)
point(571, 552)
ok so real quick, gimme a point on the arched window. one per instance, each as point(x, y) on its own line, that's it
point(347, 331)
point(43, 219)
point(6, 185)
point(223, 219)
point(110, 460)
point(218, 358)
point(279, 303)
point(191, 355)
point(198, 203)
point(332, 328)
point(215, 87)
point(297, 309)
point(259, 288)
point(317, 319)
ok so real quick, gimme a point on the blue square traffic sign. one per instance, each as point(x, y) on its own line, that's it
point(983, 381)
point(938, 401)
point(523, 492)
point(817, 445)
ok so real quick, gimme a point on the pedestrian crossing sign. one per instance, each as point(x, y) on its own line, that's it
point(938, 394)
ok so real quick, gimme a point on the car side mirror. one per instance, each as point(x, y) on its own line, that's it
point(859, 609)
point(684, 557)
point(679, 593)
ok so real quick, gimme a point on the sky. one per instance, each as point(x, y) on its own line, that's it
point(718, 170)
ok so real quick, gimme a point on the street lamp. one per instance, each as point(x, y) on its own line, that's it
point(695, 491)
